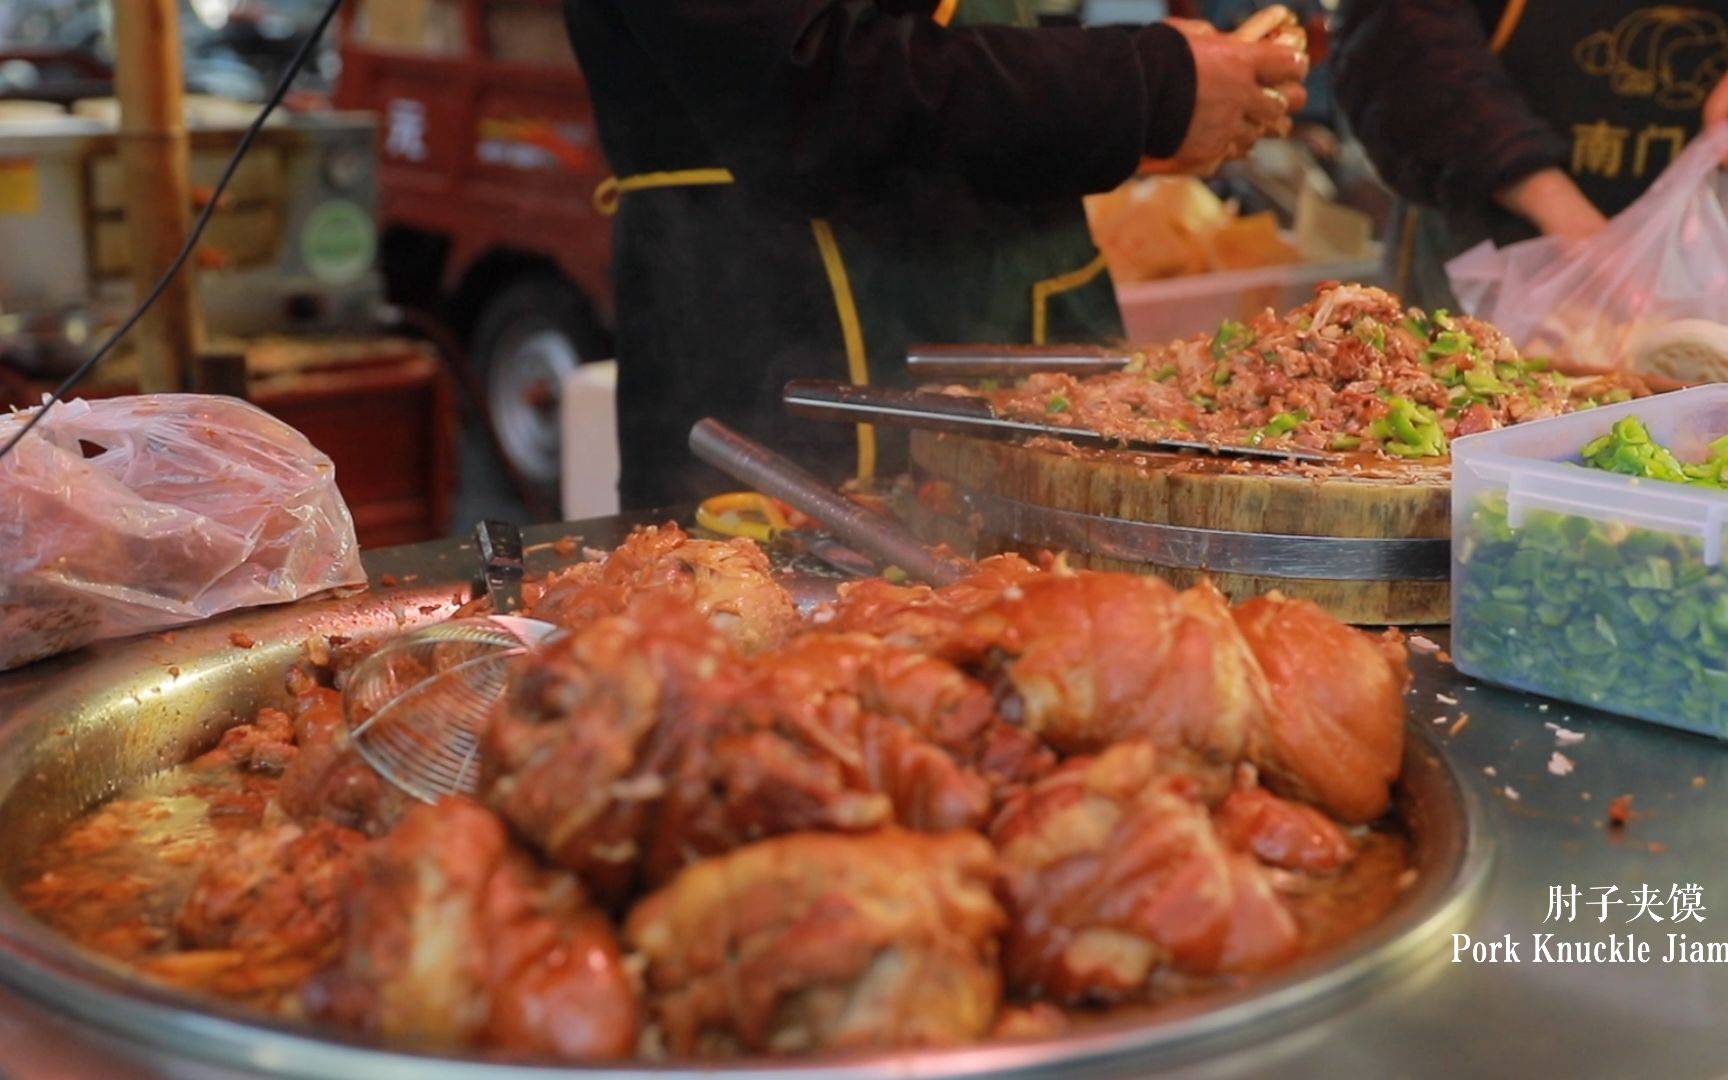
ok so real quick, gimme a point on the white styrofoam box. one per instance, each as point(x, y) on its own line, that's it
point(588, 431)
point(1156, 312)
point(1592, 586)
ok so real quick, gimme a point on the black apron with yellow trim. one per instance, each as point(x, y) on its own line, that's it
point(723, 294)
point(1625, 83)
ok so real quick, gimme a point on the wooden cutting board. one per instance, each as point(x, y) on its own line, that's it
point(1369, 498)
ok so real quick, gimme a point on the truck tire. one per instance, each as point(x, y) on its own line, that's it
point(530, 334)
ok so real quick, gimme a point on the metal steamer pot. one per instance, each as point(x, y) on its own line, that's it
point(82, 727)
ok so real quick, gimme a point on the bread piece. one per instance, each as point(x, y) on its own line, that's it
point(1684, 350)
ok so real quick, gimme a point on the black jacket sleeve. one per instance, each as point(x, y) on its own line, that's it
point(829, 95)
point(1433, 107)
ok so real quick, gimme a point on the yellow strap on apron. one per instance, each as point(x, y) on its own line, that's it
point(1508, 24)
point(613, 188)
point(852, 331)
point(945, 12)
point(1042, 291)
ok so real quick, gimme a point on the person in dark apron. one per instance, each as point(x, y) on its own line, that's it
point(807, 187)
point(1506, 119)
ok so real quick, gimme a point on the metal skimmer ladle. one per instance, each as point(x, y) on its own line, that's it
point(417, 706)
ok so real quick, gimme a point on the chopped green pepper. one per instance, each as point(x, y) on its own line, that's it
point(1231, 336)
point(1056, 404)
point(1281, 424)
point(1370, 332)
point(1409, 430)
point(1449, 343)
point(1595, 611)
point(1629, 449)
point(1482, 380)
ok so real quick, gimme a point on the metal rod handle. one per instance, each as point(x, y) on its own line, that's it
point(1010, 361)
point(881, 538)
point(825, 399)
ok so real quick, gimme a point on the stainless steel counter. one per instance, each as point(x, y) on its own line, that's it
point(1443, 1019)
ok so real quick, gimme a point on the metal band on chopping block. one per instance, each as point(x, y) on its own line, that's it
point(1216, 551)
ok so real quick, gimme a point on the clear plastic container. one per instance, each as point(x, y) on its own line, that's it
point(1589, 586)
point(1154, 312)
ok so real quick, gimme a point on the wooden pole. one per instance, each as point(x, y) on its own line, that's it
point(155, 161)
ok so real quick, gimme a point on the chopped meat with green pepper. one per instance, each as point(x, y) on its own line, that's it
point(1352, 370)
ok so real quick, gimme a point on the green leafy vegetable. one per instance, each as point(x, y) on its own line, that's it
point(1056, 404)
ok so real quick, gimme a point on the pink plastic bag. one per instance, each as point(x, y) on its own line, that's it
point(1665, 257)
point(134, 514)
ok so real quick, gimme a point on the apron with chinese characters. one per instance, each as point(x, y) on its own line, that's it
point(724, 294)
point(1624, 83)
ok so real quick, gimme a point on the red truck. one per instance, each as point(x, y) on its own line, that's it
point(488, 162)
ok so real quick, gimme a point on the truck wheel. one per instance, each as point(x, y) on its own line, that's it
point(529, 336)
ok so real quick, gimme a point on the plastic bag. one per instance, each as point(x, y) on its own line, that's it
point(134, 514)
point(1663, 258)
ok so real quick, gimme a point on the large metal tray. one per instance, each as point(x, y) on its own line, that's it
point(124, 713)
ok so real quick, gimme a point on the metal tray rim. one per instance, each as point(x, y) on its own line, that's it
point(44, 967)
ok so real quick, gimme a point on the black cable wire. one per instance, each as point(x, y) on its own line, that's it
point(295, 65)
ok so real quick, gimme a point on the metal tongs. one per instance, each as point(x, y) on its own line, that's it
point(763, 518)
point(882, 538)
point(967, 415)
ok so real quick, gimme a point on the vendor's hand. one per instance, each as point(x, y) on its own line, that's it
point(1716, 107)
point(1551, 201)
point(1243, 91)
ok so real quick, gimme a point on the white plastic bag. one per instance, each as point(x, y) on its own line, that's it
point(134, 514)
point(1663, 258)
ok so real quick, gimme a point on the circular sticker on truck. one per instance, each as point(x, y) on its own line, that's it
point(338, 242)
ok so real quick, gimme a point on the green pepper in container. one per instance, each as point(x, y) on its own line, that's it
point(1620, 603)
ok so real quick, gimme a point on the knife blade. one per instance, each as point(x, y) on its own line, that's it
point(501, 565)
point(821, 399)
point(1011, 361)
